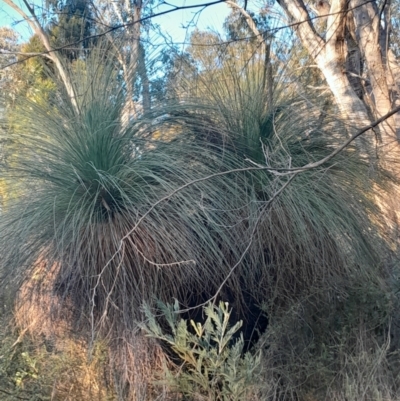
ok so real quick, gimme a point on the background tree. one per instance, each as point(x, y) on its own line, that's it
point(354, 43)
point(9, 47)
point(70, 22)
point(128, 45)
point(33, 20)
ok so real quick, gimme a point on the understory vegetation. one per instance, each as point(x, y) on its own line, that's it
point(197, 249)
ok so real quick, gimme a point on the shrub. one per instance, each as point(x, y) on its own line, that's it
point(210, 360)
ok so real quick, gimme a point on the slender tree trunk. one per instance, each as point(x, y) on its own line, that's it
point(353, 33)
point(131, 57)
point(330, 56)
point(393, 77)
point(52, 55)
point(368, 29)
point(142, 71)
point(250, 23)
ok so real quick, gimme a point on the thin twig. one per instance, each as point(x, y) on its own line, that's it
point(117, 27)
point(292, 172)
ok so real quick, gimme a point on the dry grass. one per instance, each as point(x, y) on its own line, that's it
point(70, 364)
point(337, 346)
point(37, 368)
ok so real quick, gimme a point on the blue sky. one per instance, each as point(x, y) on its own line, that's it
point(8, 17)
point(173, 24)
point(176, 22)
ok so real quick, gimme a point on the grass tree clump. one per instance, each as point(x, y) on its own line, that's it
point(107, 210)
point(315, 256)
point(105, 201)
point(319, 228)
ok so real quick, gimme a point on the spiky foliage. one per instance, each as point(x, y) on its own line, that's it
point(319, 229)
point(112, 208)
point(87, 184)
point(316, 245)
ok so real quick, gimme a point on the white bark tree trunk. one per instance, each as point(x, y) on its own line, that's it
point(52, 55)
point(130, 56)
point(368, 30)
point(331, 52)
point(329, 55)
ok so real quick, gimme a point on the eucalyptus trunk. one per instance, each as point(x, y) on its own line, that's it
point(52, 54)
point(353, 32)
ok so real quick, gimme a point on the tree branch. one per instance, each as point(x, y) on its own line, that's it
point(250, 23)
point(38, 29)
point(297, 11)
point(33, 54)
point(256, 167)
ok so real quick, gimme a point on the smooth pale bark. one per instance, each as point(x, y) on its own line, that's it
point(52, 55)
point(345, 32)
point(130, 55)
point(368, 29)
point(330, 56)
point(331, 61)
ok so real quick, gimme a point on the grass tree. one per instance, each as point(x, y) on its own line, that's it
point(314, 255)
point(319, 230)
point(106, 203)
point(177, 203)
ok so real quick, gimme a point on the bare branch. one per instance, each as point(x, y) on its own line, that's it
point(227, 42)
point(3, 51)
point(40, 32)
point(319, 163)
point(250, 23)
